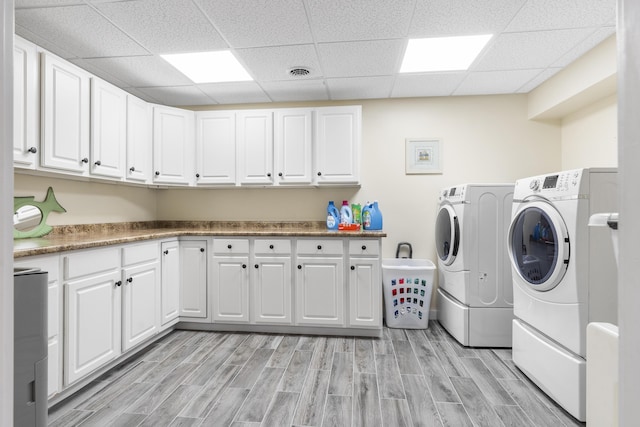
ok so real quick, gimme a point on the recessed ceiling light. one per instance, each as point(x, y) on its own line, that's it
point(209, 67)
point(442, 53)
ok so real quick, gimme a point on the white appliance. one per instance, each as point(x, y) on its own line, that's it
point(564, 276)
point(475, 291)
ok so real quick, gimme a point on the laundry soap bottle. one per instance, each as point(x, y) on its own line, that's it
point(346, 215)
point(372, 217)
point(333, 216)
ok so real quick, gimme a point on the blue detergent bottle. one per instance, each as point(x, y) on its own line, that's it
point(333, 216)
point(372, 217)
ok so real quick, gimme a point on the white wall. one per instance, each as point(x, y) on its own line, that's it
point(590, 136)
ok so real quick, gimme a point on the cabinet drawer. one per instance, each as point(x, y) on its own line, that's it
point(320, 247)
point(272, 247)
point(230, 246)
point(364, 247)
point(137, 254)
point(91, 262)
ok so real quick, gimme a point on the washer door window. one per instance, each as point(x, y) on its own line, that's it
point(539, 245)
point(447, 235)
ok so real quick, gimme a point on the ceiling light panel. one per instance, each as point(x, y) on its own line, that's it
point(209, 67)
point(442, 53)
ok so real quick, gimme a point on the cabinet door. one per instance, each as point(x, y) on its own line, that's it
point(230, 289)
point(193, 283)
point(255, 146)
point(108, 129)
point(271, 285)
point(139, 150)
point(173, 145)
point(65, 125)
point(170, 279)
point(292, 141)
point(26, 102)
point(140, 304)
point(365, 292)
point(337, 145)
point(92, 319)
point(216, 147)
point(320, 291)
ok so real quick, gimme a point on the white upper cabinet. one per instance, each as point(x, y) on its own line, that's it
point(337, 145)
point(26, 103)
point(173, 147)
point(65, 117)
point(108, 129)
point(255, 146)
point(293, 146)
point(138, 164)
point(216, 147)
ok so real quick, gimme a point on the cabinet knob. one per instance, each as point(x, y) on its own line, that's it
point(132, 169)
point(85, 160)
point(166, 252)
point(279, 173)
point(364, 248)
point(319, 173)
point(256, 266)
point(299, 267)
point(130, 279)
point(244, 265)
point(228, 246)
point(33, 150)
point(157, 173)
point(353, 267)
point(269, 175)
point(119, 282)
point(197, 175)
point(270, 246)
point(97, 163)
point(319, 247)
point(201, 249)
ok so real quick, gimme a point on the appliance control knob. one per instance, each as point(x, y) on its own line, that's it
point(535, 185)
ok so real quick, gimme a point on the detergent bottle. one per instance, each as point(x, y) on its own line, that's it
point(346, 215)
point(372, 217)
point(333, 216)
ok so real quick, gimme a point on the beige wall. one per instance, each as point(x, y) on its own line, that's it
point(589, 136)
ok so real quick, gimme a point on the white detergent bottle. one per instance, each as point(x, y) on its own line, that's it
point(346, 214)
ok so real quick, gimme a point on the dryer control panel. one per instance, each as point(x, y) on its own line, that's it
point(561, 184)
point(453, 194)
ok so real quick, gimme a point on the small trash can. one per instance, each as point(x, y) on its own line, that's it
point(407, 284)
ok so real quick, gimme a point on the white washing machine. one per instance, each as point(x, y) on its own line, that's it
point(564, 276)
point(475, 291)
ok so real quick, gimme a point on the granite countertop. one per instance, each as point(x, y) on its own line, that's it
point(72, 237)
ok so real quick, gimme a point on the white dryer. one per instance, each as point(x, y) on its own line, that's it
point(564, 276)
point(475, 291)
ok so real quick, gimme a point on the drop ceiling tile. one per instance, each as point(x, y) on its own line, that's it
point(427, 84)
point(494, 82)
point(339, 20)
point(586, 45)
point(78, 29)
point(135, 92)
point(534, 50)
point(299, 90)
point(274, 63)
point(360, 88)
point(553, 14)
point(141, 71)
point(99, 72)
point(251, 23)
point(538, 80)
point(235, 93)
point(43, 43)
point(165, 26)
point(352, 59)
point(462, 17)
point(177, 95)
point(21, 4)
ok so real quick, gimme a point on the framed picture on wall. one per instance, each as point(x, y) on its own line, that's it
point(423, 156)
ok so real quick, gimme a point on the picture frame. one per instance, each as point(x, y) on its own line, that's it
point(423, 156)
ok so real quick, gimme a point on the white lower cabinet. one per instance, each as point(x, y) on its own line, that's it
point(170, 280)
point(320, 283)
point(365, 293)
point(193, 278)
point(230, 281)
point(271, 281)
point(92, 311)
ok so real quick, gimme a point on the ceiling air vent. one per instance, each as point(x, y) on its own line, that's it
point(299, 72)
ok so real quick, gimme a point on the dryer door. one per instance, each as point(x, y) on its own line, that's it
point(539, 245)
point(447, 234)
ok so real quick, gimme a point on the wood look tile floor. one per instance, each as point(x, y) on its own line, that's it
point(405, 378)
